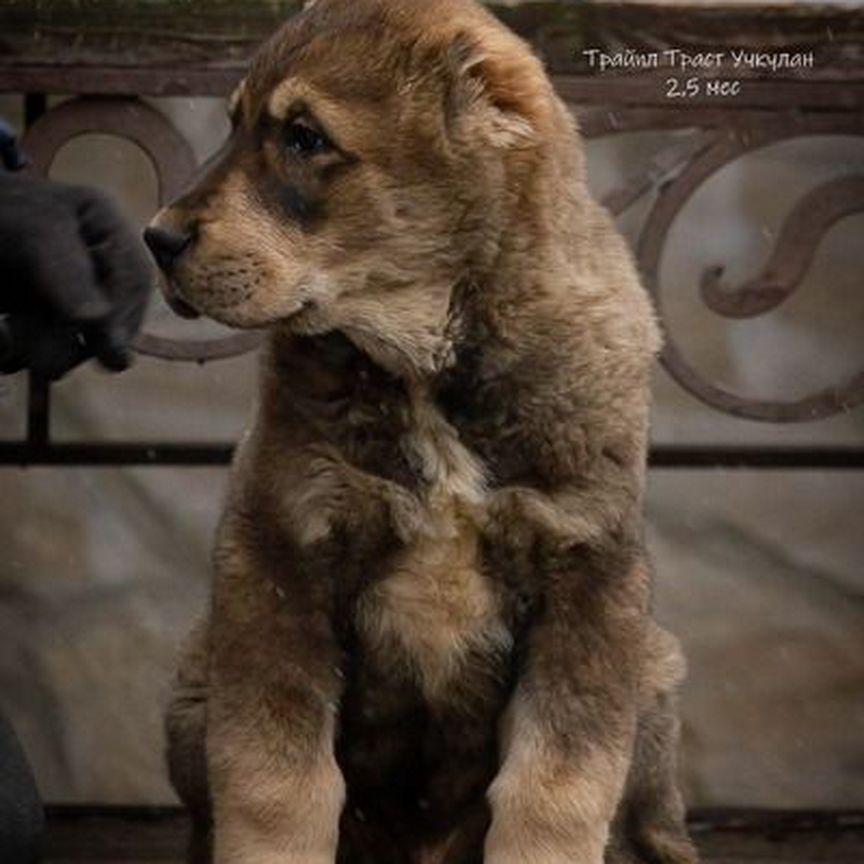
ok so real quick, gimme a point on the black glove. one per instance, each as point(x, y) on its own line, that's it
point(11, 157)
point(74, 278)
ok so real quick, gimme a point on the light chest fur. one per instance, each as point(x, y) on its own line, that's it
point(435, 611)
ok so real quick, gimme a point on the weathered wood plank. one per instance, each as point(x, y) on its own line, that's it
point(157, 836)
point(219, 35)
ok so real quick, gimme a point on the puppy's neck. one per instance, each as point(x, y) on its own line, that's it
point(409, 331)
point(325, 367)
point(318, 373)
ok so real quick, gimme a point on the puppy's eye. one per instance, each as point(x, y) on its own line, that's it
point(302, 140)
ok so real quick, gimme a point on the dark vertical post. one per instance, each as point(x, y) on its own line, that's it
point(39, 391)
point(35, 105)
point(38, 411)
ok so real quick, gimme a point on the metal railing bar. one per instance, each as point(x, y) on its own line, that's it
point(196, 454)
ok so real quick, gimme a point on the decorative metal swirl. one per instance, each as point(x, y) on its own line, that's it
point(197, 350)
point(129, 118)
point(796, 246)
point(173, 163)
point(798, 240)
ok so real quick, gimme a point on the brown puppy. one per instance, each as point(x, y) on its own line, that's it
point(430, 637)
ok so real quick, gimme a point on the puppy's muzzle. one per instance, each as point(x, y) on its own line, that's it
point(167, 246)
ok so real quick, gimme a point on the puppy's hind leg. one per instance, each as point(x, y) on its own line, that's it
point(649, 827)
point(186, 734)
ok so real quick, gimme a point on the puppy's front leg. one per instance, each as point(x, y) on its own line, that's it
point(275, 686)
point(568, 732)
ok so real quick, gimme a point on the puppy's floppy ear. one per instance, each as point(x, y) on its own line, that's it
point(499, 93)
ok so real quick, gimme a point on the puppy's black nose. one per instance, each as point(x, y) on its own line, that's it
point(166, 246)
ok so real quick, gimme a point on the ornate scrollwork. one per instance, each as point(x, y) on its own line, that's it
point(796, 245)
point(173, 163)
point(797, 242)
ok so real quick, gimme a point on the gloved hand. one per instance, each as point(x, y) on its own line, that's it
point(11, 157)
point(74, 278)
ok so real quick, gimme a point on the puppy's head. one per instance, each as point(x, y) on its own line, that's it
point(376, 152)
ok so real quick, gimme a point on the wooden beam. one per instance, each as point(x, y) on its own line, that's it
point(129, 835)
point(218, 36)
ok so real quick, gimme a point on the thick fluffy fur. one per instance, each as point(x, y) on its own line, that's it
point(430, 638)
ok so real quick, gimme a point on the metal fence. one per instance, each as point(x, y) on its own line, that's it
point(829, 101)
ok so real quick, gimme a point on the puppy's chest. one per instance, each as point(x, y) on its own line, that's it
point(434, 616)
